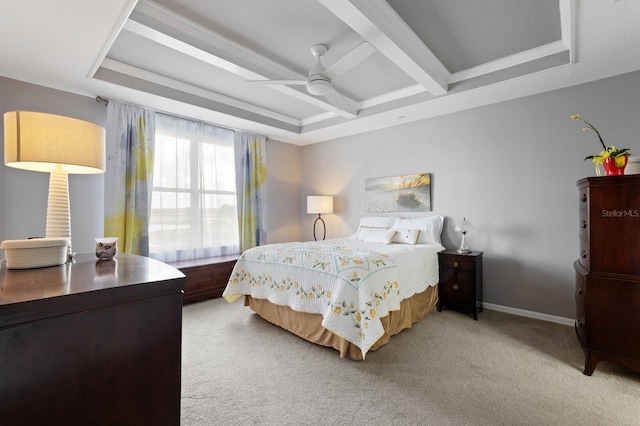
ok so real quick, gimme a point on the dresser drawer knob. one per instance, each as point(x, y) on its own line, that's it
point(583, 254)
point(583, 224)
point(579, 290)
point(456, 286)
point(455, 264)
point(579, 323)
point(583, 197)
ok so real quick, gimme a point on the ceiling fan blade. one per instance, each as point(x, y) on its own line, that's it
point(277, 82)
point(337, 100)
point(349, 60)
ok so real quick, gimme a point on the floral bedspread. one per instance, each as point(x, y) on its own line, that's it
point(351, 283)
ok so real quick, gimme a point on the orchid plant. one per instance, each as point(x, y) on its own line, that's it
point(609, 151)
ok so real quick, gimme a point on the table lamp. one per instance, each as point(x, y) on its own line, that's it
point(464, 227)
point(318, 204)
point(58, 145)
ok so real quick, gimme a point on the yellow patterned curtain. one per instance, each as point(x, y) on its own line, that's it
point(251, 185)
point(129, 176)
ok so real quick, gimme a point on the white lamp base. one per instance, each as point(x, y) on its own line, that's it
point(58, 211)
point(464, 249)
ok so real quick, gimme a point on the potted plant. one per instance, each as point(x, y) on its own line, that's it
point(612, 159)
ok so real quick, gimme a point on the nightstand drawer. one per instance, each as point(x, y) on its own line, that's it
point(459, 262)
point(457, 287)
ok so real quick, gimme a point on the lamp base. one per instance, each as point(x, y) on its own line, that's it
point(464, 249)
point(324, 227)
point(58, 210)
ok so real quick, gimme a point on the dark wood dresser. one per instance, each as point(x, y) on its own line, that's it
point(460, 281)
point(608, 271)
point(91, 343)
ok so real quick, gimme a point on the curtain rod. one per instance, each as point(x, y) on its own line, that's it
point(102, 100)
point(105, 101)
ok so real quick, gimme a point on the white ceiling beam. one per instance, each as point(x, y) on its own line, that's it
point(181, 86)
point(227, 47)
point(510, 61)
point(230, 48)
point(381, 26)
point(117, 27)
point(392, 96)
point(568, 27)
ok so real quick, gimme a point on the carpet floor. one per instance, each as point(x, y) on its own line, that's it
point(237, 369)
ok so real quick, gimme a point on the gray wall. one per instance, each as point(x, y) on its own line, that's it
point(509, 168)
point(283, 192)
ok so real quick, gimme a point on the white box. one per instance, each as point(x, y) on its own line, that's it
point(35, 252)
point(633, 166)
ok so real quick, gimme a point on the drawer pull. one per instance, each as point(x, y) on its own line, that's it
point(583, 254)
point(583, 197)
point(455, 264)
point(579, 323)
point(583, 224)
point(456, 286)
point(579, 290)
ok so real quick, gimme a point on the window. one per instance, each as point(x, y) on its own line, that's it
point(193, 203)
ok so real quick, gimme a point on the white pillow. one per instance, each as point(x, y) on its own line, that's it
point(430, 227)
point(406, 236)
point(384, 222)
point(377, 235)
point(377, 221)
point(365, 230)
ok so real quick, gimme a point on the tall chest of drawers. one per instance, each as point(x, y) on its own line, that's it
point(608, 271)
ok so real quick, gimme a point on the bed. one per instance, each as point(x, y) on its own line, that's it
point(351, 294)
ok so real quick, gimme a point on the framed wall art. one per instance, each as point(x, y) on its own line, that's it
point(409, 193)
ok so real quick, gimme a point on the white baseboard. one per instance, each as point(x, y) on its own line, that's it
point(529, 314)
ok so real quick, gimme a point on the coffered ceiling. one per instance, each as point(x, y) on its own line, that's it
point(388, 62)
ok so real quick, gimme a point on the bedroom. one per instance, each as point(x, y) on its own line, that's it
point(510, 168)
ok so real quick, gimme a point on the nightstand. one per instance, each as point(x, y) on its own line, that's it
point(460, 280)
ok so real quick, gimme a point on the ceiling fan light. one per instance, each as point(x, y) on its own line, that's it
point(319, 87)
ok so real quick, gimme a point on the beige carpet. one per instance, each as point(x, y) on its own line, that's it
point(238, 369)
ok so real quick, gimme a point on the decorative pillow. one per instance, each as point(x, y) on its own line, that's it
point(384, 222)
point(377, 235)
point(430, 227)
point(406, 236)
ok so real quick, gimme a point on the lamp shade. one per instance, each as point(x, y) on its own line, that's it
point(41, 142)
point(464, 226)
point(318, 204)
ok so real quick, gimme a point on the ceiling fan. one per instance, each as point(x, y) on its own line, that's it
point(319, 81)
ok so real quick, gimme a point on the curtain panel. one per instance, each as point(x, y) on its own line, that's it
point(129, 175)
point(251, 184)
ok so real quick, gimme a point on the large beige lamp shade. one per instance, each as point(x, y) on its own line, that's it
point(58, 145)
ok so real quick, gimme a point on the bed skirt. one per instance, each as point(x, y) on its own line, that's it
point(309, 326)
